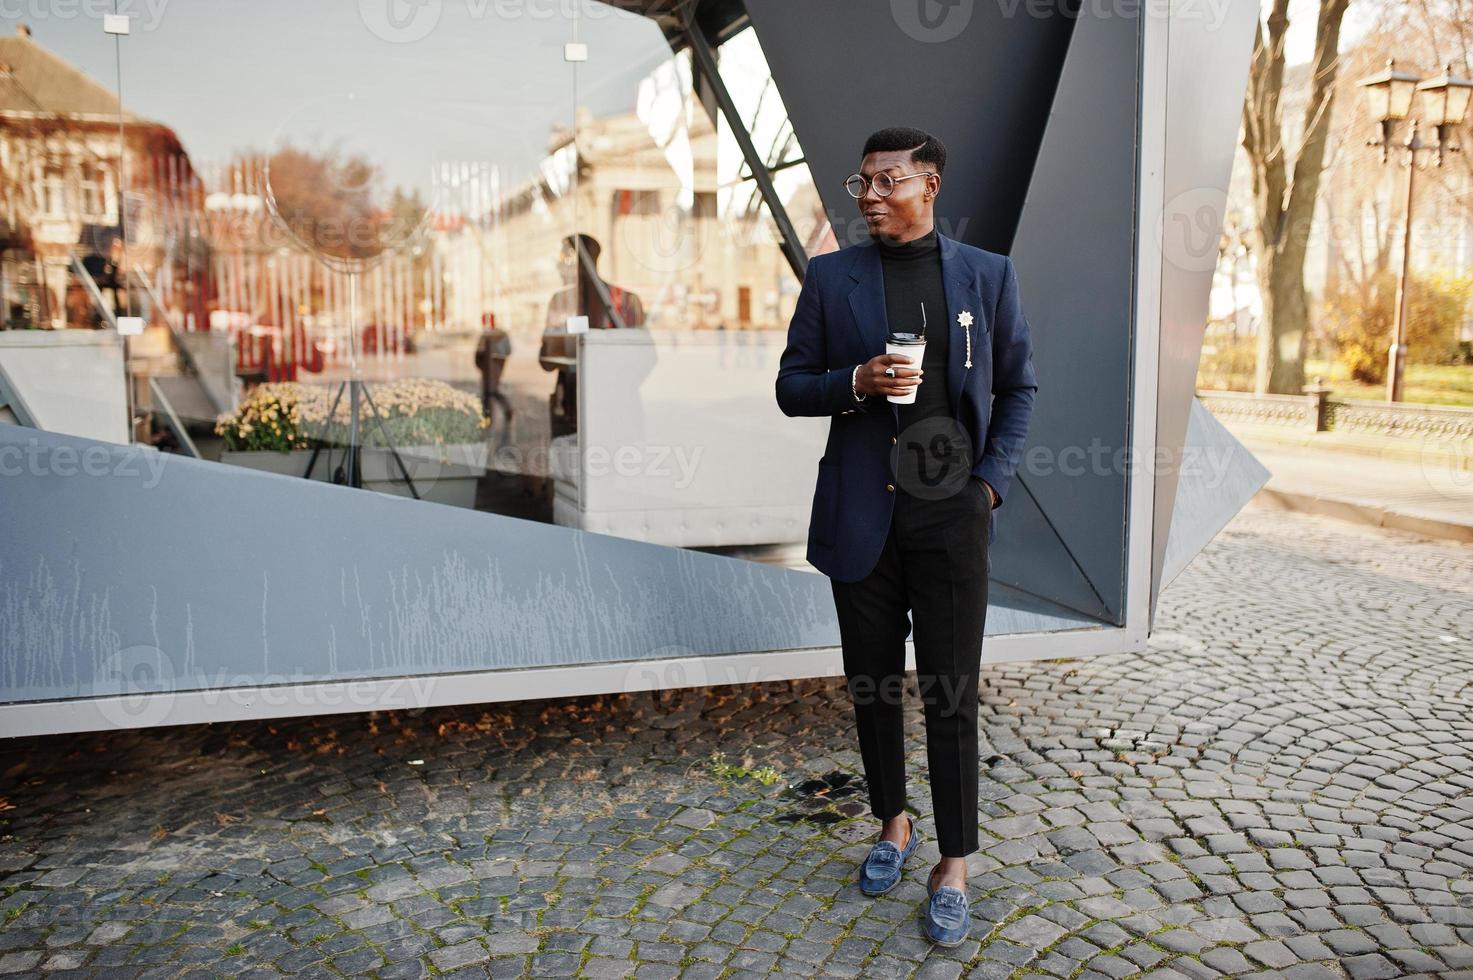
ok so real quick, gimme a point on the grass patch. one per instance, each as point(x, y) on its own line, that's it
point(766, 775)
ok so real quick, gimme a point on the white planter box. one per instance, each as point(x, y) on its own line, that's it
point(444, 474)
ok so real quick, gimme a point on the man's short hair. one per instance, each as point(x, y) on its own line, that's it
point(924, 148)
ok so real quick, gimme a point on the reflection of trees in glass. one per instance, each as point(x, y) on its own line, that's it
point(285, 271)
point(337, 205)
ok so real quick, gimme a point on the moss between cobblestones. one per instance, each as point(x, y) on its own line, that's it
point(641, 901)
point(996, 928)
point(1192, 876)
point(767, 776)
point(1024, 912)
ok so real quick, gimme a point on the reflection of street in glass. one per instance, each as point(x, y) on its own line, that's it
point(247, 226)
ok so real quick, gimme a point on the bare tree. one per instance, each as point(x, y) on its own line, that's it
point(1284, 198)
point(340, 204)
point(1364, 214)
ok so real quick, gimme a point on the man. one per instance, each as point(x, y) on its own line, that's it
point(492, 350)
point(902, 517)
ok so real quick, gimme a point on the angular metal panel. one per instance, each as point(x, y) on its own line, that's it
point(124, 571)
point(118, 560)
point(1218, 476)
point(981, 76)
point(1075, 257)
point(992, 85)
point(1207, 70)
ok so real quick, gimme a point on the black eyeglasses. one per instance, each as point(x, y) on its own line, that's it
point(883, 183)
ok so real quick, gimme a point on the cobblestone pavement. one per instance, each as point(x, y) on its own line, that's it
point(1282, 787)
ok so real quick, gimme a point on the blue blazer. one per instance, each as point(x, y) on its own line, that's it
point(840, 322)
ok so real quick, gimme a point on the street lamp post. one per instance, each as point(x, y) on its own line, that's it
point(1444, 103)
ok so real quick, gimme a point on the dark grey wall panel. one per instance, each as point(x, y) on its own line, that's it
point(1075, 253)
point(981, 76)
point(1042, 133)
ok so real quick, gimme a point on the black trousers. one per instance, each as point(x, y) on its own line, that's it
point(934, 566)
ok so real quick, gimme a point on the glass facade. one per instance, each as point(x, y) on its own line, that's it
point(528, 229)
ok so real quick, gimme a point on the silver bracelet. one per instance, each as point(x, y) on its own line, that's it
point(853, 376)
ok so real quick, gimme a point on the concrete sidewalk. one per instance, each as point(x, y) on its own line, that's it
point(1425, 488)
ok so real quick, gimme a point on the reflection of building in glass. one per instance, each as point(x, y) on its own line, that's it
point(660, 185)
point(663, 233)
point(59, 191)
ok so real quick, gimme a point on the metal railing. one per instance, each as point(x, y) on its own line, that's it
point(1317, 411)
point(175, 423)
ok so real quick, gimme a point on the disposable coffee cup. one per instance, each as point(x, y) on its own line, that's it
point(913, 346)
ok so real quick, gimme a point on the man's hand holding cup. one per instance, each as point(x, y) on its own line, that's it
point(891, 375)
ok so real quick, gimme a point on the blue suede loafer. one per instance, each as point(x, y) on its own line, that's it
point(946, 917)
point(880, 870)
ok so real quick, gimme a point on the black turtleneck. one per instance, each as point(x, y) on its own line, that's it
point(913, 276)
